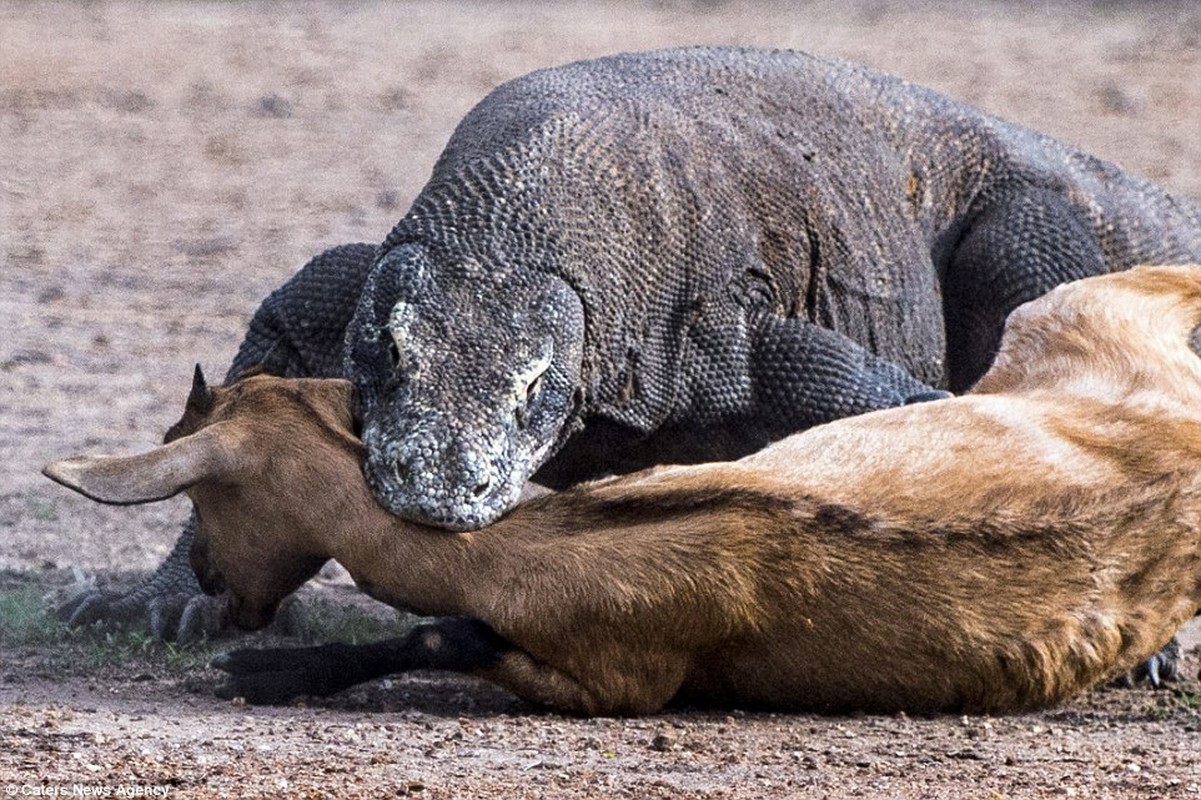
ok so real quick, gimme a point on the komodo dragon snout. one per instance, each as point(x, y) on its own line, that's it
point(456, 422)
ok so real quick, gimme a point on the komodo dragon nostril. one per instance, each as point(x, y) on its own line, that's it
point(482, 487)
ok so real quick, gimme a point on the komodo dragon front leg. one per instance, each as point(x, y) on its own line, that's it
point(743, 382)
point(1021, 241)
point(296, 332)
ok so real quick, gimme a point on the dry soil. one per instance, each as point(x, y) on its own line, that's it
point(164, 165)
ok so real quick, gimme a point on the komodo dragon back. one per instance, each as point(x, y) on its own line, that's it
point(686, 254)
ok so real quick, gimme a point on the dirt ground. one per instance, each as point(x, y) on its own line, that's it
point(164, 165)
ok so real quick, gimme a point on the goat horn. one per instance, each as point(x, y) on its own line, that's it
point(200, 399)
point(146, 477)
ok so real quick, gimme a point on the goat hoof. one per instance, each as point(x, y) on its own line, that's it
point(272, 676)
point(260, 677)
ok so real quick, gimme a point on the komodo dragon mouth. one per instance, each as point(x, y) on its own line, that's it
point(420, 475)
point(468, 381)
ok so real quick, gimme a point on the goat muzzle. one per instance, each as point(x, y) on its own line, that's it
point(210, 579)
point(247, 617)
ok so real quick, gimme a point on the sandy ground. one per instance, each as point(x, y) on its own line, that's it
point(164, 165)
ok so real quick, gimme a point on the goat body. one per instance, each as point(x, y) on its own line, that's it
point(992, 552)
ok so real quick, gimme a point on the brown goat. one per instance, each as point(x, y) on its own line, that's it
point(991, 552)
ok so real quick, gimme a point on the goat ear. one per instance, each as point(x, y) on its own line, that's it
point(200, 399)
point(144, 478)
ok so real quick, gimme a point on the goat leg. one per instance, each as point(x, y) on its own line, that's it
point(276, 675)
point(457, 644)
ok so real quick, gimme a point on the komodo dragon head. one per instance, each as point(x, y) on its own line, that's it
point(468, 380)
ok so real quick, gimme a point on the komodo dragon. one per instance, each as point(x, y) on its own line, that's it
point(679, 256)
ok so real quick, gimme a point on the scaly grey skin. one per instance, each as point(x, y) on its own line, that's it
point(683, 255)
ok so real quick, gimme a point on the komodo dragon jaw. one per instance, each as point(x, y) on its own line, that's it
point(468, 381)
point(460, 483)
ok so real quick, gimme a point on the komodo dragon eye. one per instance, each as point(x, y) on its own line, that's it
point(528, 385)
point(401, 360)
point(535, 386)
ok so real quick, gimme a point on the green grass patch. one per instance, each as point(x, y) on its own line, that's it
point(1188, 698)
point(28, 621)
point(25, 619)
point(98, 648)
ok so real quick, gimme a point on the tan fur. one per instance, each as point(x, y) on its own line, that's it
point(992, 552)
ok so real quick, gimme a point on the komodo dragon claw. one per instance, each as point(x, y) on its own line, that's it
point(175, 608)
point(175, 617)
point(1163, 667)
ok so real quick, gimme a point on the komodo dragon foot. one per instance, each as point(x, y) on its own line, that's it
point(171, 602)
point(175, 608)
point(174, 616)
point(1161, 668)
